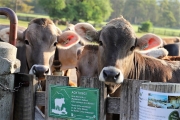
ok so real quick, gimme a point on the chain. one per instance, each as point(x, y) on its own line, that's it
point(4, 88)
point(39, 87)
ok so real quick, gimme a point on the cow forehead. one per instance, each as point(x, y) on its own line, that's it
point(48, 29)
point(117, 35)
point(36, 33)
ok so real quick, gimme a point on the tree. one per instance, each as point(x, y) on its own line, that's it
point(23, 6)
point(75, 10)
point(7, 3)
point(52, 7)
point(166, 17)
point(117, 6)
point(175, 9)
point(137, 11)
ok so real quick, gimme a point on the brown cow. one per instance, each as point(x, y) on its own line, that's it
point(118, 59)
point(87, 63)
point(170, 40)
point(68, 57)
point(37, 44)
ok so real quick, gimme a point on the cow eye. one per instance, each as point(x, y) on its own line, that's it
point(55, 43)
point(100, 43)
point(76, 69)
point(26, 42)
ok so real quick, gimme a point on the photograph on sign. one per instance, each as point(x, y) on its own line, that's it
point(74, 103)
point(157, 105)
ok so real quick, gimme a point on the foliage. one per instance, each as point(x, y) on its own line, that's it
point(74, 10)
point(52, 7)
point(145, 26)
point(162, 13)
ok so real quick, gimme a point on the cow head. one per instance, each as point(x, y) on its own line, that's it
point(117, 44)
point(40, 39)
point(68, 57)
point(87, 62)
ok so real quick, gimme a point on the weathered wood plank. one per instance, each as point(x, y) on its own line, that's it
point(40, 98)
point(93, 82)
point(24, 98)
point(162, 87)
point(113, 105)
point(38, 114)
point(55, 80)
point(129, 101)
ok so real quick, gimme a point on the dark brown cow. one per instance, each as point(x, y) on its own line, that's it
point(118, 59)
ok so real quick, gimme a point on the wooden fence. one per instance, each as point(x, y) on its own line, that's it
point(127, 106)
point(26, 98)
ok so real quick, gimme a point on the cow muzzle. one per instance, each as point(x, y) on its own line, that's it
point(111, 74)
point(40, 71)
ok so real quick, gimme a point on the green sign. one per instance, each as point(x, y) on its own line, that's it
point(73, 103)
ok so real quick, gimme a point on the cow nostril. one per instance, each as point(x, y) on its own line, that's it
point(47, 71)
point(116, 76)
point(34, 70)
point(111, 75)
point(105, 73)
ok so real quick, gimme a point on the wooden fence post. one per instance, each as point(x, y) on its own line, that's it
point(129, 99)
point(54, 80)
point(6, 97)
point(24, 98)
point(93, 82)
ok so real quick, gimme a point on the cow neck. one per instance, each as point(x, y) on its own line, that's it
point(138, 67)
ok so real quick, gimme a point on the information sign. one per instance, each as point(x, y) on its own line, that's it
point(73, 103)
point(159, 106)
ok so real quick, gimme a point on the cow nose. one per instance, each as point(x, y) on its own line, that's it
point(40, 71)
point(112, 75)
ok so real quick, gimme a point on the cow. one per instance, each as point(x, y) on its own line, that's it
point(87, 62)
point(173, 49)
point(68, 57)
point(170, 40)
point(118, 58)
point(37, 44)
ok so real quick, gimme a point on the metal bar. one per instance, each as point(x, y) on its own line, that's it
point(13, 23)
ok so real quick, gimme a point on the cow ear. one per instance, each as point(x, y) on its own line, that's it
point(67, 39)
point(149, 41)
point(85, 30)
point(59, 31)
point(4, 34)
point(20, 35)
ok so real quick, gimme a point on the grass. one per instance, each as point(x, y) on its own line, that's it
point(32, 15)
point(156, 30)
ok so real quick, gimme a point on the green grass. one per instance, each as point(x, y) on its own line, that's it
point(32, 15)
